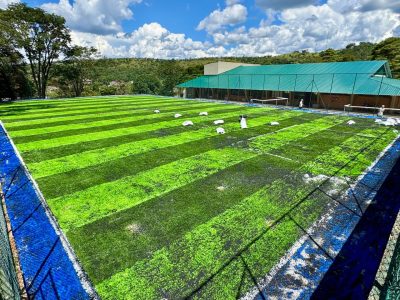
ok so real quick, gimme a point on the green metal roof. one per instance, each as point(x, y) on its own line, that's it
point(342, 78)
point(366, 67)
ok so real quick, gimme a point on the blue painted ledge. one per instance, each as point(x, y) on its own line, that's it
point(48, 263)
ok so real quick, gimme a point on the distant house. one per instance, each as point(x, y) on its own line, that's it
point(321, 85)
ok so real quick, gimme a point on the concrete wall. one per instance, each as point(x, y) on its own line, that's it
point(334, 101)
point(221, 67)
point(365, 100)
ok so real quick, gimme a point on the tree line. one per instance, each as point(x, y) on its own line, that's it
point(35, 46)
point(37, 59)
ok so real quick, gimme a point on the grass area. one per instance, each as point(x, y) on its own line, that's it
point(155, 210)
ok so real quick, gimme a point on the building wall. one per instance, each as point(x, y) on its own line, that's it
point(365, 100)
point(328, 101)
point(334, 101)
point(221, 67)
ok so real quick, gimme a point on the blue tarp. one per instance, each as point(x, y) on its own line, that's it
point(48, 270)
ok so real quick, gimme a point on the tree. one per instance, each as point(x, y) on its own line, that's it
point(13, 79)
point(75, 71)
point(329, 55)
point(362, 51)
point(171, 73)
point(389, 49)
point(42, 36)
point(146, 83)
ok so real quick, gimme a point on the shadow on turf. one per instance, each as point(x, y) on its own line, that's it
point(355, 266)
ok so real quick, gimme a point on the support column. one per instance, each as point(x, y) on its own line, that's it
point(351, 99)
point(291, 98)
point(393, 102)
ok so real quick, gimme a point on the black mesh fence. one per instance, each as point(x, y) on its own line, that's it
point(9, 288)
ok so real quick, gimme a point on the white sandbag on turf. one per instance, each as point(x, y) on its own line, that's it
point(220, 130)
point(219, 122)
point(274, 123)
point(157, 111)
point(351, 122)
point(387, 122)
point(203, 113)
point(187, 123)
point(243, 122)
point(177, 116)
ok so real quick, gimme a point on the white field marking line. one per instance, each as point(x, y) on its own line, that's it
point(279, 156)
point(252, 294)
point(86, 283)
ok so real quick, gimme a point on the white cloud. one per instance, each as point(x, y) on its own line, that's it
point(311, 27)
point(231, 2)
point(5, 3)
point(94, 16)
point(233, 14)
point(280, 5)
point(149, 41)
point(364, 5)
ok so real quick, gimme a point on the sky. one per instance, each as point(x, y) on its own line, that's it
point(206, 28)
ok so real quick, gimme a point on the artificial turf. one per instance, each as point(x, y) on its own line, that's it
point(157, 210)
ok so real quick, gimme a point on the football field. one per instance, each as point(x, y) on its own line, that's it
point(154, 209)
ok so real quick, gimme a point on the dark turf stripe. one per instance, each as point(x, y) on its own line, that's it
point(66, 102)
point(77, 180)
point(55, 152)
point(196, 203)
point(56, 109)
point(113, 117)
point(90, 112)
point(52, 135)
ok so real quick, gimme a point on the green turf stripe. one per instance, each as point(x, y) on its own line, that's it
point(40, 103)
point(101, 115)
point(78, 179)
point(56, 109)
point(83, 113)
point(31, 135)
point(70, 101)
point(62, 141)
point(93, 108)
point(145, 189)
point(177, 143)
point(65, 105)
point(86, 123)
point(62, 151)
point(110, 115)
point(144, 185)
point(93, 111)
point(196, 203)
point(203, 250)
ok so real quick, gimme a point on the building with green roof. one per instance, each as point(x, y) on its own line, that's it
point(321, 85)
